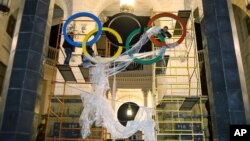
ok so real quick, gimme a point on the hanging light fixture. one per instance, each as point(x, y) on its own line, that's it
point(127, 5)
point(129, 110)
point(4, 6)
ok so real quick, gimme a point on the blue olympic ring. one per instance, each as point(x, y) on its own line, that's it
point(86, 14)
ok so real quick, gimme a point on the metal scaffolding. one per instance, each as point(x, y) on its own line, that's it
point(179, 104)
point(179, 114)
point(62, 122)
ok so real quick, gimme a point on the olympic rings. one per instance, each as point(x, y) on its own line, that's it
point(143, 61)
point(120, 44)
point(84, 50)
point(183, 25)
point(89, 43)
point(117, 16)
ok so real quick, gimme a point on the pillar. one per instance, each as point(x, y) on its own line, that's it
point(225, 93)
point(25, 75)
point(145, 97)
point(113, 93)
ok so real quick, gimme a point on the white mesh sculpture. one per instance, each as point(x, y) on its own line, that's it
point(96, 106)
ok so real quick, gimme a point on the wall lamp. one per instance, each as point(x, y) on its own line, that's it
point(5, 6)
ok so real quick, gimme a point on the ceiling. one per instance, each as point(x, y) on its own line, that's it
point(142, 7)
point(105, 8)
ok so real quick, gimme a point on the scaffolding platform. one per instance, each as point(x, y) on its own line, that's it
point(184, 15)
point(162, 65)
point(66, 72)
point(85, 73)
point(189, 103)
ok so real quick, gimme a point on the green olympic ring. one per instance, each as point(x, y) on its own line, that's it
point(143, 61)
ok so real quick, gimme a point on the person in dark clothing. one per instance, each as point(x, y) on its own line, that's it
point(164, 31)
point(68, 48)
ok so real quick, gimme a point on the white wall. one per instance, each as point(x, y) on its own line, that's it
point(6, 40)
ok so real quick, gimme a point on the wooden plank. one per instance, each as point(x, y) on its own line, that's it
point(184, 15)
point(66, 72)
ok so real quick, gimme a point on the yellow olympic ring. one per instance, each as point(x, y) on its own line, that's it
point(101, 60)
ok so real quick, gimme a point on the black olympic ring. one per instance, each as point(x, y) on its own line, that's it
point(117, 16)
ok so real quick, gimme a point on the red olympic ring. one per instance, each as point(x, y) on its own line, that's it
point(183, 25)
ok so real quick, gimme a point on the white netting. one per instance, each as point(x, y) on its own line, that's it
point(96, 106)
point(97, 110)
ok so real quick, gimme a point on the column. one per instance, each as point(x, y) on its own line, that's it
point(152, 97)
point(26, 71)
point(145, 97)
point(113, 93)
point(225, 93)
